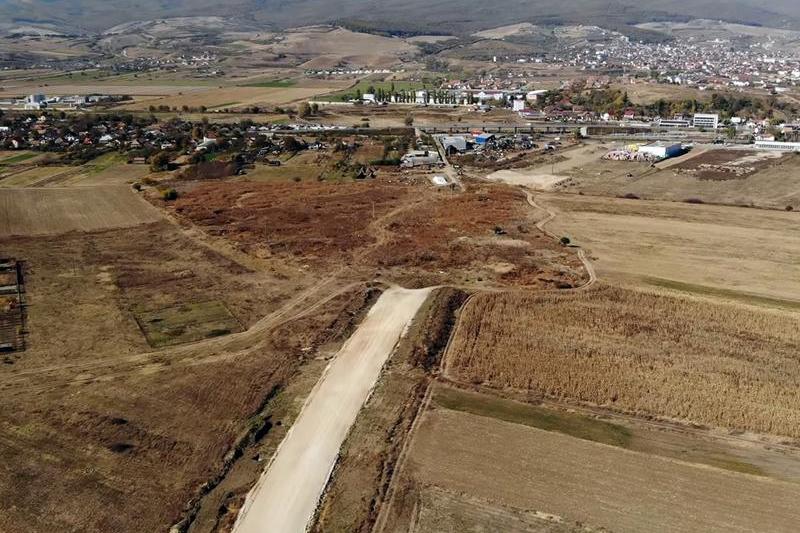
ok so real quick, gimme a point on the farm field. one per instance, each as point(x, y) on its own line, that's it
point(33, 176)
point(557, 477)
point(732, 368)
point(325, 47)
point(233, 97)
point(54, 211)
point(716, 176)
point(691, 444)
point(748, 251)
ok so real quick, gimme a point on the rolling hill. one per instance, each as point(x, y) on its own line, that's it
point(91, 16)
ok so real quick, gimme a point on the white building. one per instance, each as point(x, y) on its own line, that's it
point(777, 145)
point(421, 97)
point(662, 150)
point(533, 96)
point(706, 120)
point(418, 158)
point(674, 123)
point(518, 105)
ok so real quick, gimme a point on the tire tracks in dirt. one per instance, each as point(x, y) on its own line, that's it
point(208, 350)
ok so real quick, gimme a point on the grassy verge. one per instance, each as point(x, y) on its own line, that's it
point(728, 294)
point(272, 84)
point(571, 424)
point(19, 158)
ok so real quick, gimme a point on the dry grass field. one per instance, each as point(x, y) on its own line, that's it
point(637, 352)
point(187, 322)
point(716, 176)
point(103, 433)
point(107, 169)
point(231, 97)
point(402, 229)
point(55, 211)
point(748, 251)
point(527, 479)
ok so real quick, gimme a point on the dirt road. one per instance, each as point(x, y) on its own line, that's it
point(285, 498)
point(581, 253)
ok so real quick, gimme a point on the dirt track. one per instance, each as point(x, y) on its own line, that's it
point(285, 498)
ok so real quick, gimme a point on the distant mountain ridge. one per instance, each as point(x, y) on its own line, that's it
point(95, 16)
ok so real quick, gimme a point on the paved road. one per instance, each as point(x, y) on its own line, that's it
point(285, 498)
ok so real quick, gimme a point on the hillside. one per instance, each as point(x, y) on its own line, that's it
point(470, 15)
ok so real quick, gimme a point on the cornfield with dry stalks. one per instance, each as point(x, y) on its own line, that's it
point(638, 352)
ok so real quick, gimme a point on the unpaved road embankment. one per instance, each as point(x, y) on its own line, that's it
point(285, 498)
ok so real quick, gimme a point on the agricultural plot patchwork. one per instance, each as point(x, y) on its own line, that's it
point(127, 448)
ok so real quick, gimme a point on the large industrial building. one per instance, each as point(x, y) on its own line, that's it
point(662, 150)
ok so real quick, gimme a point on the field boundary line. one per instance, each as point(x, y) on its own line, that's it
point(386, 506)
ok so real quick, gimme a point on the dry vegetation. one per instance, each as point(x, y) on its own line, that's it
point(103, 434)
point(638, 352)
point(401, 227)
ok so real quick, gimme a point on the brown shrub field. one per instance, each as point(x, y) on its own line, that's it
point(638, 352)
point(399, 226)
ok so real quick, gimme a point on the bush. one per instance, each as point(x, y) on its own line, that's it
point(391, 161)
point(137, 186)
point(169, 194)
point(565, 241)
point(159, 162)
point(209, 170)
point(789, 208)
point(694, 201)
